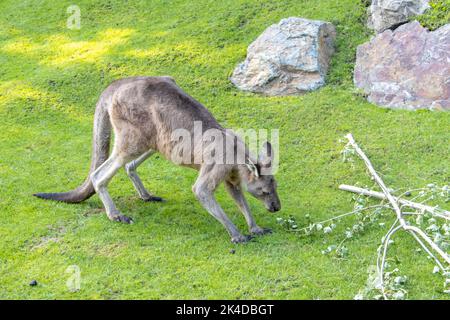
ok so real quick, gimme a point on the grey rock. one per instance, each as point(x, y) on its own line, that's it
point(288, 58)
point(385, 14)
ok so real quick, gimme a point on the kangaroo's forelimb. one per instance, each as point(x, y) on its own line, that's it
point(204, 189)
point(236, 193)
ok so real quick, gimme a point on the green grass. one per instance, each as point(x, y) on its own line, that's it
point(437, 16)
point(50, 79)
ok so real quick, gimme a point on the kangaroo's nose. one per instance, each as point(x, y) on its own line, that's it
point(276, 207)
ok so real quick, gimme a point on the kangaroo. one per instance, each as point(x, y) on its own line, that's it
point(144, 112)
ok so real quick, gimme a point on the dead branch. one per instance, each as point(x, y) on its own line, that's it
point(379, 195)
point(416, 232)
point(377, 179)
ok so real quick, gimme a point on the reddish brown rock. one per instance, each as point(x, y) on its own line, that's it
point(408, 68)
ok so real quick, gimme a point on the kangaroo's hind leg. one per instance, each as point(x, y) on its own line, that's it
point(100, 179)
point(130, 168)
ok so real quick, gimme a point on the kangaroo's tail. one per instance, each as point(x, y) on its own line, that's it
point(100, 152)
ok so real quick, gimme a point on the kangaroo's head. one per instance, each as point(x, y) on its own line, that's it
point(260, 182)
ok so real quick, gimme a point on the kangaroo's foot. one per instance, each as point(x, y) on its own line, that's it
point(118, 217)
point(150, 198)
point(241, 238)
point(258, 231)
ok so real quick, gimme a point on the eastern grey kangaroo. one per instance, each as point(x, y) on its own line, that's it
point(144, 112)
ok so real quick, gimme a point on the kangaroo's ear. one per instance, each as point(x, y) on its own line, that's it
point(253, 168)
point(266, 155)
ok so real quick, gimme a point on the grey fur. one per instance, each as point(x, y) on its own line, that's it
point(143, 112)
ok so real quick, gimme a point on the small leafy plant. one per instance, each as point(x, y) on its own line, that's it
point(436, 16)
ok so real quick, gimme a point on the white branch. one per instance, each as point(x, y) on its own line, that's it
point(385, 246)
point(422, 207)
point(394, 202)
point(377, 178)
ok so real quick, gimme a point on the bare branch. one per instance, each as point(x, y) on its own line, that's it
point(377, 179)
point(422, 207)
point(416, 232)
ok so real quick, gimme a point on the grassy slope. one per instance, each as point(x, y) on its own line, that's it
point(50, 78)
